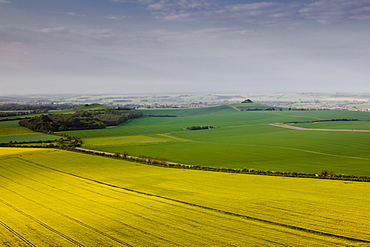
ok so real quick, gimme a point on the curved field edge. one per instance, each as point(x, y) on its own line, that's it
point(6, 151)
point(260, 147)
point(348, 125)
point(155, 125)
point(284, 211)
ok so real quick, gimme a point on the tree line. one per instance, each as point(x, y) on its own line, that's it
point(79, 120)
point(326, 120)
point(21, 113)
point(73, 144)
point(159, 161)
point(30, 107)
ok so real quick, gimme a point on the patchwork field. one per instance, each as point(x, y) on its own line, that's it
point(244, 140)
point(60, 198)
point(154, 125)
point(11, 131)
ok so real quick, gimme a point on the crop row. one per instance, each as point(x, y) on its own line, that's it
point(307, 203)
point(58, 207)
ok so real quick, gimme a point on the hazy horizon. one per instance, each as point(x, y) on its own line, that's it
point(189, 46)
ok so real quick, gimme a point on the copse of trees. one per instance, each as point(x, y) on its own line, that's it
point(61, 122)
point(78, 120)
point(247, 101)
point(199, 127)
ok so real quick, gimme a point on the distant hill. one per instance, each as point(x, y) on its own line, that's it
point(252, 107)
point(185, 112)
point(87, 107)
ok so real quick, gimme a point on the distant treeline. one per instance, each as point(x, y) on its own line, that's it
point(159, 161)
point(21, 113)
point(30, 107)
point(326, 120)
point(160, 116)
point(97, 119)
point(263, 109)
point(13, 118)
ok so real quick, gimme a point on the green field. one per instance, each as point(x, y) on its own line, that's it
point(186, 112)
point(244, 140)
point(60, 198)
point(353, 125)
point(154, 125)
point(9, 124)
point(11, 131)
point(87, 107)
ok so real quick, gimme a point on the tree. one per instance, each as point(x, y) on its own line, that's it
point(247, 101)
point(326, 173)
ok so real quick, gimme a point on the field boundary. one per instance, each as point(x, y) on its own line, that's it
point(168, 164)
point(301, 128)
point(203, 207)
point(234, 107)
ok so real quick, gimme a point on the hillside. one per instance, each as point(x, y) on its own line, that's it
point(252, 107)
point(242, 139)
point(69, 198)
point(186, 112)
point(87, 107)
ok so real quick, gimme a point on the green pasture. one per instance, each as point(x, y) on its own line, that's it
point(186, 112)
point(260, 147)
point(28, 138)
point(11, 131)
point(244, 140)
point(130, 140)
point(86, 108)
point(67, 199)
point(8, 124)
point(250, 106)
point(15, 131)
point(353, 125)
point(154, 125)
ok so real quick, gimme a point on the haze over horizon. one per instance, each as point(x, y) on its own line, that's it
point(166, 46)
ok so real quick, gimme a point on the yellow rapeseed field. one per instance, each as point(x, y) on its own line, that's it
point(61, 198)
point(8, 151)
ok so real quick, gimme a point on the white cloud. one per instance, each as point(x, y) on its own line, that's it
point(4, 1)
point(54, 30)
point(333, 11)
point(321, 11)
point(123, 1)
point(70, 13)
point(117, 17)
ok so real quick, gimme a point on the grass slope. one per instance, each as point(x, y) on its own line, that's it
point(249, 106)
point(8, 124)
point(11, 131)
point(262, 148)
point(67, 199)
point(84, 108)
point(154, 125)
point(354, 125)
point(186, 112)
point(244, 140)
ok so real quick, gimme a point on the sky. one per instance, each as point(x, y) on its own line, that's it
point(184, 46)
